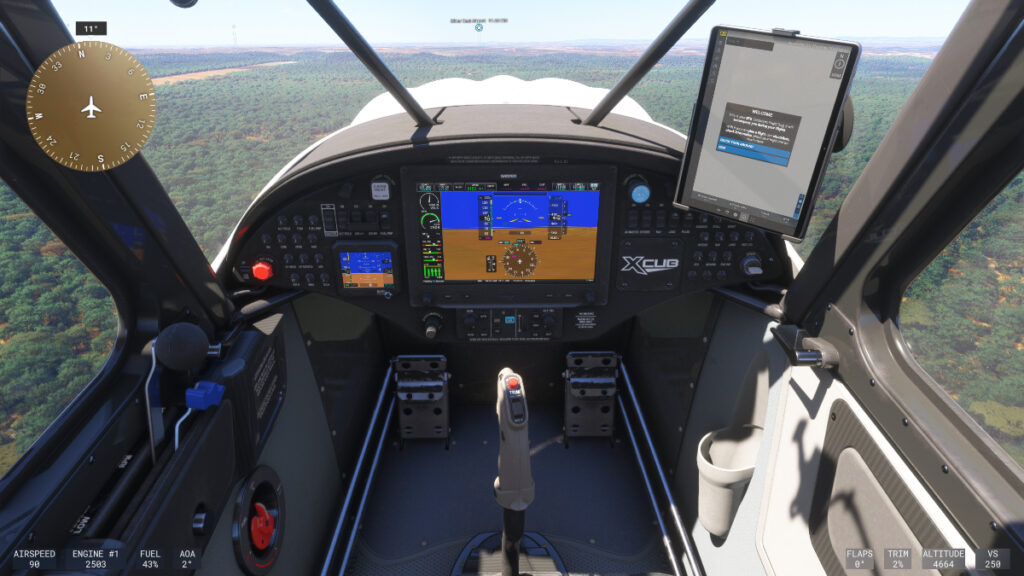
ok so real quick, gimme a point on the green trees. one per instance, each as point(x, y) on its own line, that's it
point(57, 327)
point(964, 318)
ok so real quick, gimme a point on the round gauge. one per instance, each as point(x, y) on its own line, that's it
point(641, 193)
point(519, 261)
point(430, 221)
point(91, 106)
point(429, 201)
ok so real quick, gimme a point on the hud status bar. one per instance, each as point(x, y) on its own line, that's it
point(113, 557)
point(929, 559)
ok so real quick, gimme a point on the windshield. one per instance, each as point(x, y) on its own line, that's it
point(244, 86)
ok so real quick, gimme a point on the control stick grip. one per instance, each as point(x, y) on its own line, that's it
point(513, 487)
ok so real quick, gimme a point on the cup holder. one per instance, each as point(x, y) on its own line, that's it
point(725, 464)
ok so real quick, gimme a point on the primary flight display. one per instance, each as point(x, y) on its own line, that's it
point(508, 232)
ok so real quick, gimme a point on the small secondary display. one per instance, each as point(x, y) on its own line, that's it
point(764, 125)
point(367, 270)
point(508, 232)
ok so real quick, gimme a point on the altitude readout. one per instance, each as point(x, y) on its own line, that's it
point(91, 106)
point(367, 270)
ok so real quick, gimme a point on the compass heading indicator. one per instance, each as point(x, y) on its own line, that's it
point(520, 260)
point(91, 106)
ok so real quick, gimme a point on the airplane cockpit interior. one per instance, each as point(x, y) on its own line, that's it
point(508, 323)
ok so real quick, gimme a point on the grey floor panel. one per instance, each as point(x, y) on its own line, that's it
point(426, 502)
point(437, 559)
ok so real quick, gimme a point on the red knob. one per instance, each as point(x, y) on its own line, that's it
point(262, 271)
point(261, 529)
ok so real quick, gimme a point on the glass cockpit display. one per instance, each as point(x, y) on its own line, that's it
point(508, 231)
point(367, 269)
point(763, 127)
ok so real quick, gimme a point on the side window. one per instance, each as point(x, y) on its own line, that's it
point(57, 327)
point(963, 319)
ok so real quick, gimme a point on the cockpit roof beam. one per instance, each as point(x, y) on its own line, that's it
point(333, 16)
point(661, 45)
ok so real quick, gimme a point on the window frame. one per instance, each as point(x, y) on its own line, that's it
point(169, 280)
point(962, 129)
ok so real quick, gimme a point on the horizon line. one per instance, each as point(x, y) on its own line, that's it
point(875, 41)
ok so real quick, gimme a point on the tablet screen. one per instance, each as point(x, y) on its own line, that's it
point(764, 125)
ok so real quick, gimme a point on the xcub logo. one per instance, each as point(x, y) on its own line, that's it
point(643, 266)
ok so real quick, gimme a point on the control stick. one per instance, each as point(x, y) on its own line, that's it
point(513, 488)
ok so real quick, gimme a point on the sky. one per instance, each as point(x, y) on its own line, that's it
point(152, 23)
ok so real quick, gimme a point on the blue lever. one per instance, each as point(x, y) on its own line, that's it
point(204, 395)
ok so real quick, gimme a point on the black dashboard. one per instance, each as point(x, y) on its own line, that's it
point(493, 241)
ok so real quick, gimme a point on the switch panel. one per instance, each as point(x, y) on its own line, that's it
point(508, 324)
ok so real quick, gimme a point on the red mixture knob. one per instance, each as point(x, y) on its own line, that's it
point(262, 271)
point(261, 528)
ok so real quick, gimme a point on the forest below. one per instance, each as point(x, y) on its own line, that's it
point(218, 141)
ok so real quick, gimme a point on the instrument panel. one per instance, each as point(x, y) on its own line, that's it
point(531, 252)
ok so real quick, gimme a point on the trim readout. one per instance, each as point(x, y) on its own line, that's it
point(367, 270)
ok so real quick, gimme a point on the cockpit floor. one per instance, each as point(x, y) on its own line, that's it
point(426, 502)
